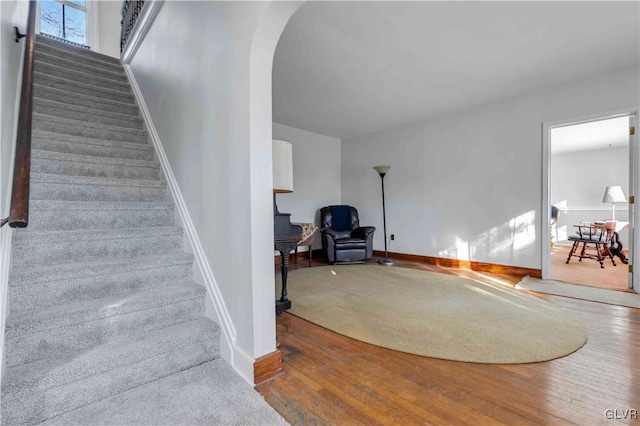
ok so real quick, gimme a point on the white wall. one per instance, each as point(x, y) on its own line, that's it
point(403, 149)
point(209, 96)
point(316, 175)
point(12, 13)
point(578, 180)
point(108, 27)
point(467, 185)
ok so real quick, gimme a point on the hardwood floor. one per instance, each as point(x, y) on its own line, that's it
point(587, 272)
point(334, 380)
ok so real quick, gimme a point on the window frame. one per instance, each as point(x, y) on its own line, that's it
point(91, 11)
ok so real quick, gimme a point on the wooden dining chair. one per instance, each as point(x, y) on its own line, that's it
point(593, 236)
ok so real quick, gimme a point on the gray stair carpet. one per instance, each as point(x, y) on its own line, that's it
point(105, 323)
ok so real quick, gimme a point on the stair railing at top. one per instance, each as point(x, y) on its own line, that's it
point(19, 209)
point(130, 12)
point(65, 41)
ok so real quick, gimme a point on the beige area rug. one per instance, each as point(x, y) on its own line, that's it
point(612, 297)
point(432, 314)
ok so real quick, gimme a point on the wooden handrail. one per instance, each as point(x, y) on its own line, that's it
point(19, 210)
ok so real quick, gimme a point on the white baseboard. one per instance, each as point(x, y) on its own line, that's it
point(228, 349)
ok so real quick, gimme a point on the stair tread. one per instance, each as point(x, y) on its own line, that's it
point(99, 205)
point(110, 368)
point(64, 156)
point(78, 56)
point(38, 320)
point(46, 67)
point(92, 214)
point(193, 396)
point(47, 58)
point(91, 180)
point(43, 134)
point(82, 123)
point(97, 100)
point(117, 353)
point(57, 236)
point(86, 110)
point(42, 39)
point(37, 274)
point(51, 80)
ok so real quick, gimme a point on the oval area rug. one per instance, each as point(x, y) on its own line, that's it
point(433, 314)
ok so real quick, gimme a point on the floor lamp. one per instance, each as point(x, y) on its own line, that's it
point(613, 195)
point(382, 170)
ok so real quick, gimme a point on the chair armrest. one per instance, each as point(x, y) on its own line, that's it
point(363, 232)
point(330, 232)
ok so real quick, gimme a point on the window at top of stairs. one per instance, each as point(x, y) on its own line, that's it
point(65, 19)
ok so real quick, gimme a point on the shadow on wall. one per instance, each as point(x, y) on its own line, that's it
point(502, 240)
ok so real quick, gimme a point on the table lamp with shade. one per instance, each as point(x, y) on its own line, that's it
point(286, 234)
point(613, 195)
point(282, 155)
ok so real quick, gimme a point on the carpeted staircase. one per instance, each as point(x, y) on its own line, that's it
point(100, 294)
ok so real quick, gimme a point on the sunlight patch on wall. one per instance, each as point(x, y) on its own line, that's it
point(513, 235)
point(524, 227)
point(460, 251)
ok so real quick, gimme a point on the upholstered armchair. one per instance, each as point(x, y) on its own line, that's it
point(343, 239)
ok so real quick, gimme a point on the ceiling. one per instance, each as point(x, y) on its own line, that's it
point(602, 134)
point(343, 69)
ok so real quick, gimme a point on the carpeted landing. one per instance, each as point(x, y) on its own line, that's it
point(432, 314)
point(105, 323)
point(190, 397)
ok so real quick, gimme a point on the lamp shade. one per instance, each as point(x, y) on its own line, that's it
point(282, 156)
point(614, 194)
point(381, 169)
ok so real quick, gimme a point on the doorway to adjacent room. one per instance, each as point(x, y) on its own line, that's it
point(589, 181)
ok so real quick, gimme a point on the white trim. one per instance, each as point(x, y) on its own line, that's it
point(634, 212)
point(606, 208)
point(213, 291)
point(545, 209)
point(140, 29)
point(37, 17)
point(92, 12)
point(5, 266)
point(243, 364)
point(546, 182)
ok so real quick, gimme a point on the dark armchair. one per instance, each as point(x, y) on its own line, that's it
point(343, 239)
